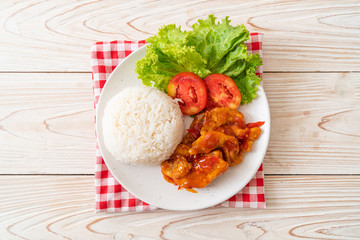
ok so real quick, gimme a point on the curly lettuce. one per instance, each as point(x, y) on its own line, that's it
point(210, 47)
point(167, 55)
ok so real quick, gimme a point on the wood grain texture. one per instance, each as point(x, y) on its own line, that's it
point(61, 207)
point(314, 125)
point(46, 119)
point(46, 123)
point(56, 36)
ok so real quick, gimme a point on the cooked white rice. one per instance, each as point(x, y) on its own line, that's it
point(142, 125)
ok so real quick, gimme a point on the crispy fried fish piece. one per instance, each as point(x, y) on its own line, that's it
point(194, 130)
point(213, 140)
point(216, 140)
point(189, 172)
point(205, 169)
point(221, 116)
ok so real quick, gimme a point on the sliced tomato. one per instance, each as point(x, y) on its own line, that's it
point(222, 91)
point(191, 89)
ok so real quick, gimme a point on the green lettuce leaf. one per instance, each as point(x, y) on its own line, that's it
point(215, 40)
point(161, 64)
point(168, 34)
point(210, 47)
point(242, 68)
point(247, 83)
point(234, 63)
point(167, 55)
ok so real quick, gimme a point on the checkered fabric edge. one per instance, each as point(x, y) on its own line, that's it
point(110, 196)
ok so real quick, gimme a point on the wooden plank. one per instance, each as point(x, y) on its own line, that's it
point(46, 123)
point(314, 125)
point(299, 35)
point(61, 207)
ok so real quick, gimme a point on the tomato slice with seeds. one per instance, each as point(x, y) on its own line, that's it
point(191, 89)
point(222, 91)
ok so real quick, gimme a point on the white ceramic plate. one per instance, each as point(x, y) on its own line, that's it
point(147, 183)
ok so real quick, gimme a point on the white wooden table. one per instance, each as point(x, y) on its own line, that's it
point(47, 142)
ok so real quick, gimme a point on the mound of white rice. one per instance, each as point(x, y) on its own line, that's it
point(142, 125)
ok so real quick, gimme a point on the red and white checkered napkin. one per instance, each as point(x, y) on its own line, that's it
point(110, 195)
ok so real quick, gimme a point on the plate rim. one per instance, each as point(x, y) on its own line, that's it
point(189, 208)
